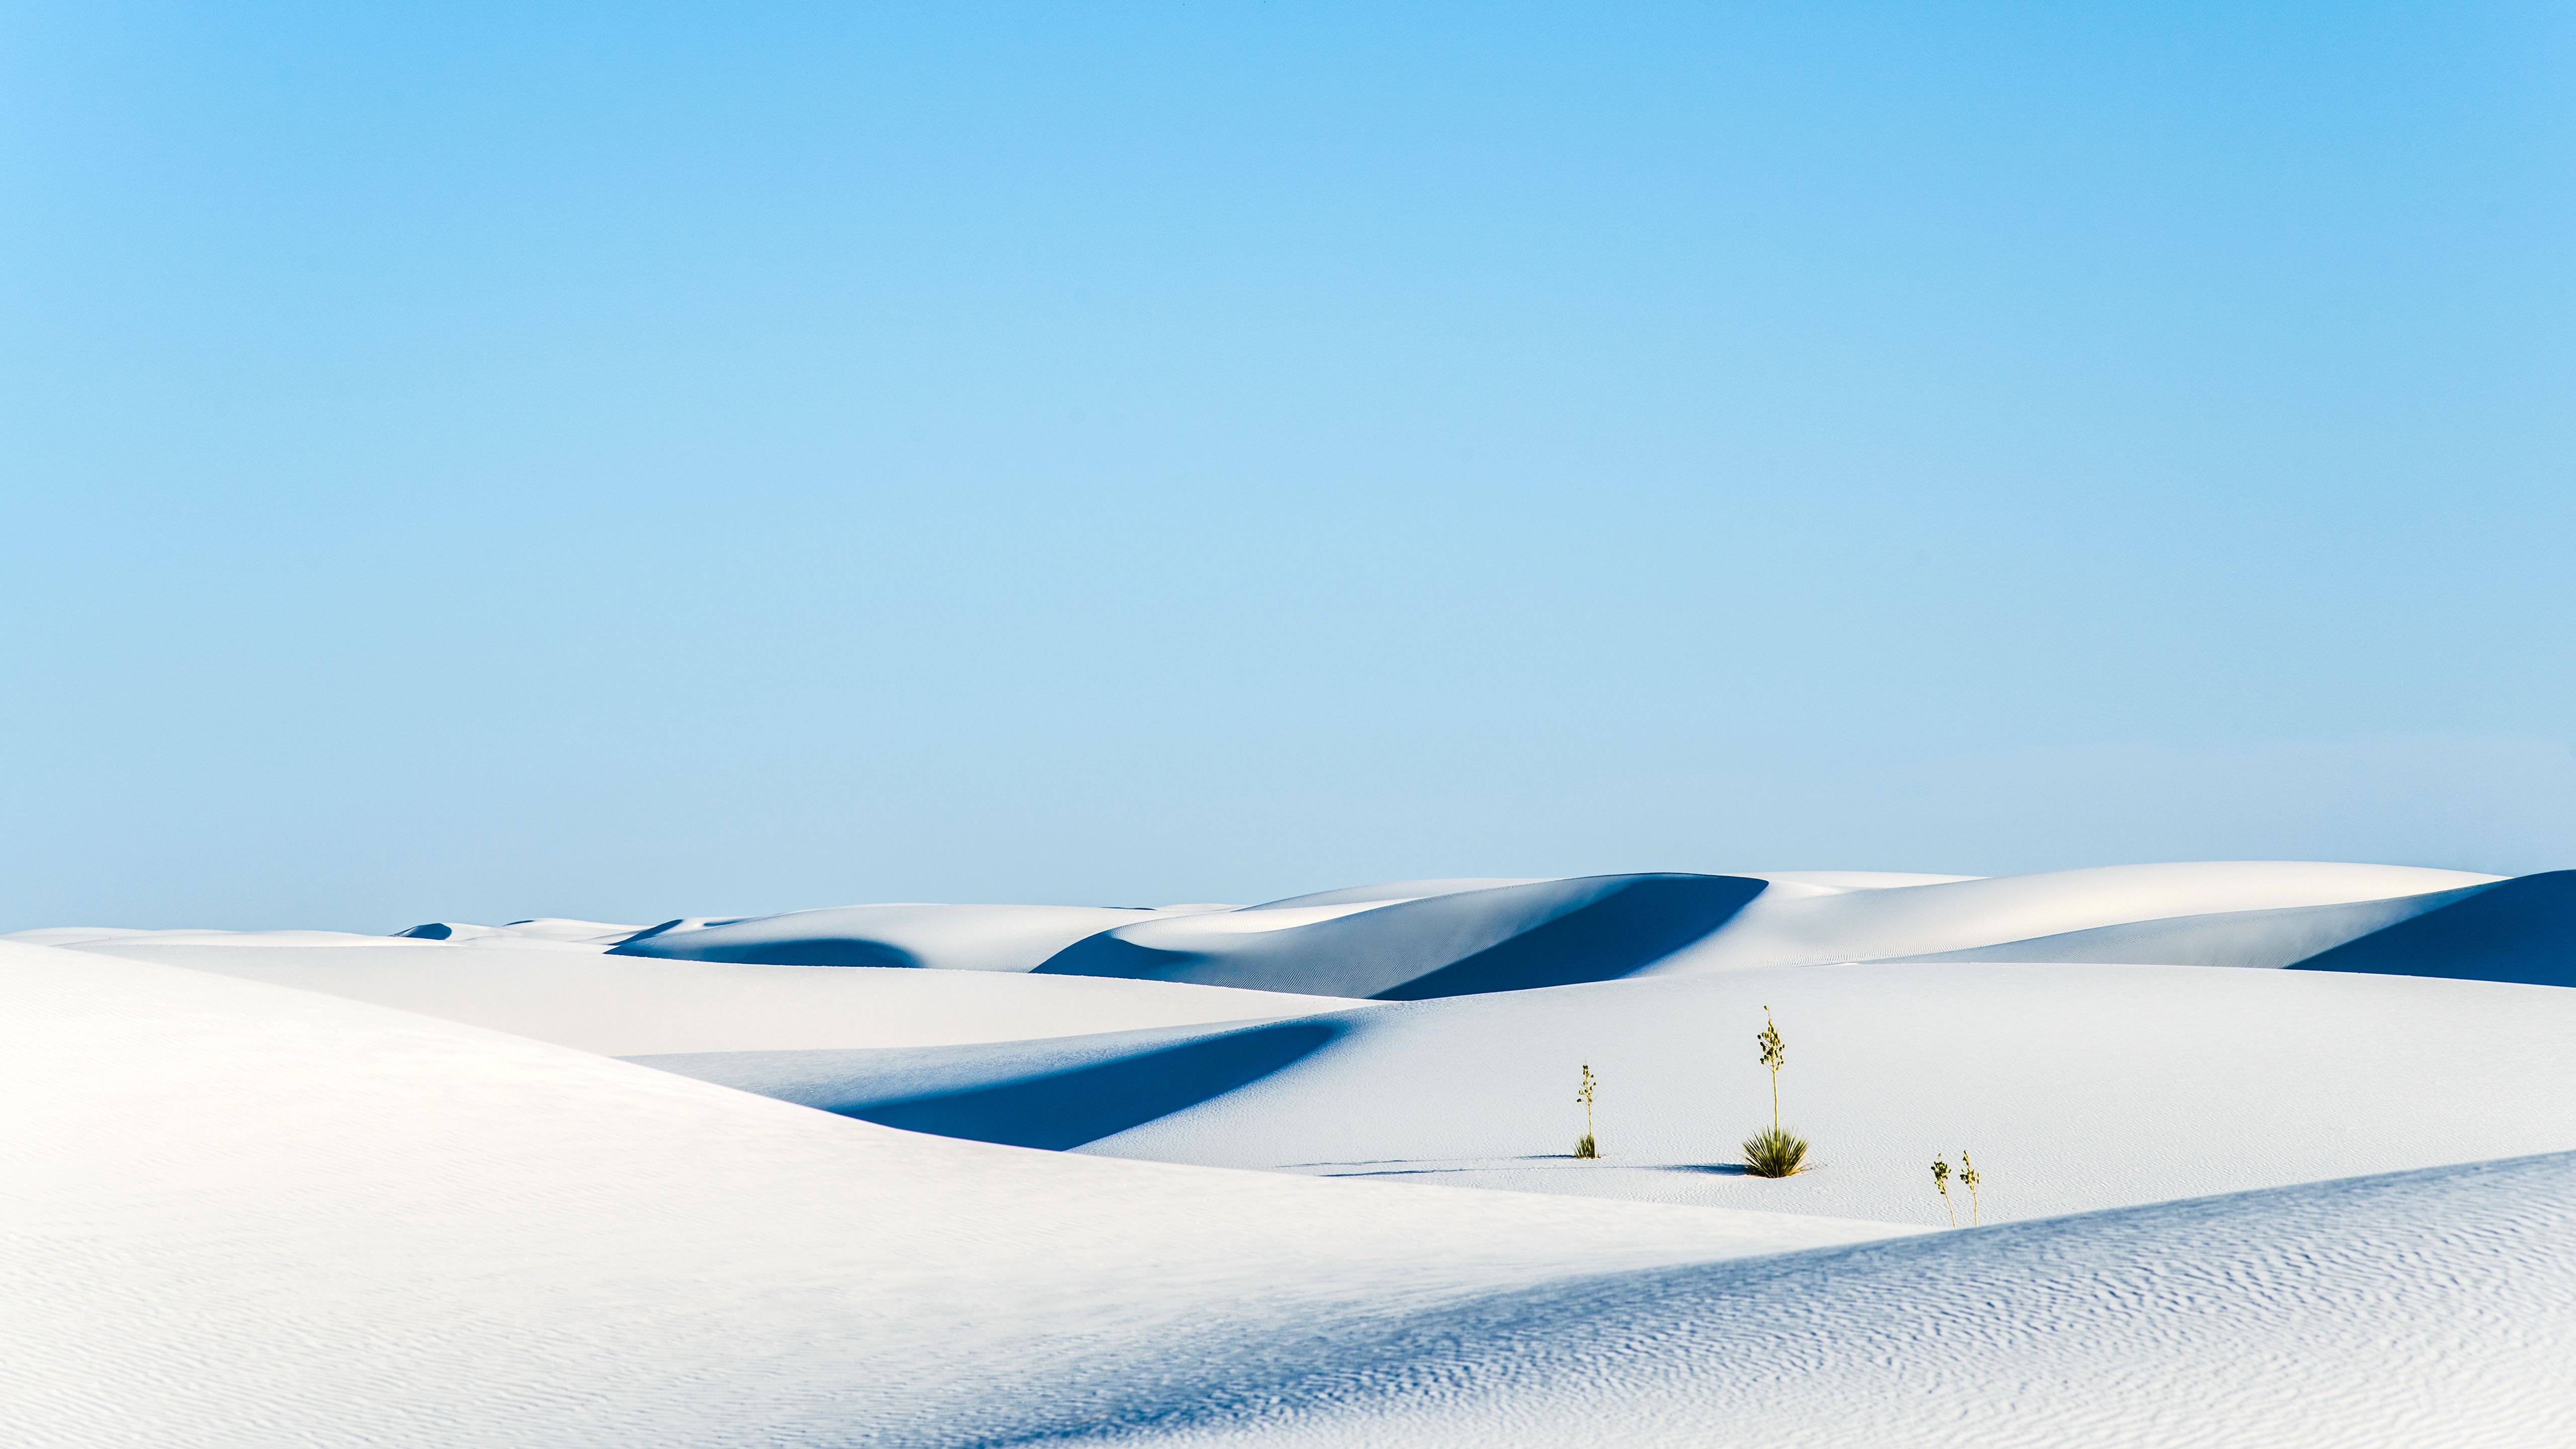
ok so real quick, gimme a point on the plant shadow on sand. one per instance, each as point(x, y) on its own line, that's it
point(1558, 1161)
point(1711, 1169)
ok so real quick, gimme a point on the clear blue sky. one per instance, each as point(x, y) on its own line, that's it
point(629, 461)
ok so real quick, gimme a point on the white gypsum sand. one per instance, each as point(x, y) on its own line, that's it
point(634, 1005)
point(247, 1215)
point(1446, 937)
point(2078, 1087)
point(313, 1187)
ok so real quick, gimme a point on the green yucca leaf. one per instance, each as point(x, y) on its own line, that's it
point(1772, 1152)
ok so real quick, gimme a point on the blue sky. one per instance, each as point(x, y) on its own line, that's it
point(632, 461)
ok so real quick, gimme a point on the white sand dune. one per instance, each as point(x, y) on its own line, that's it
point(2280, 937)
point(631, 1006)
point(1414, 940)
point(253, 1216)
point(547, 930)
point(551, 933)
point(1404, 947)
point(291, 1187)
point(2418, 1309)
point(2522, 929)
point(111, 936)
point(2075, 1087)
point(1780, 928)
point(954, 938)
point(322, 1222)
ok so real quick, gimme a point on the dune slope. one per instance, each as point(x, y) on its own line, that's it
point(631, 1005)
point(953, 938)
point(1494, 938)
point(2423, 1308)
point(2519, 930)
point(1786, 927)
point(1417, 940)
point(2075, 1087)
point(251, 1216)
point(295, 1188)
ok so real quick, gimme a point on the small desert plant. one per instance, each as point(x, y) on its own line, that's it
point(1776, 1152)
point(1586, 1147)
point(1968, 1180)
point(1941, 1185)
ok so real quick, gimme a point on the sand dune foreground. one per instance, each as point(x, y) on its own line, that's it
point(2268, 1153)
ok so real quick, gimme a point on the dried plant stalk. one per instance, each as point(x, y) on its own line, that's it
point(1587, 1147)
point(1775, 1055)
point(1777, 1152)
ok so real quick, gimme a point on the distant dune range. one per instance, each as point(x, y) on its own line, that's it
point(1416, 940)
point(953, 1175)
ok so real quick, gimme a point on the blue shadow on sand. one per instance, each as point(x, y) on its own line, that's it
point(2522, 929)
point(1020, 1101)
point(1623, 932)
point(810, 951)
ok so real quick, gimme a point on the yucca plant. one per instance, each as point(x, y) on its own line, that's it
point(1776, 1152)
point(1968, 1180)
point(1586, 1147)
point(1941, 1185)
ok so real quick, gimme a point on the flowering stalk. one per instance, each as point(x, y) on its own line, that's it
point(1775, 1055)
point(1587, 1147)
point(1773, 1153)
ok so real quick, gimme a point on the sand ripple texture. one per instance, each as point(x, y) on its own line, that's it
point(2418, 1309)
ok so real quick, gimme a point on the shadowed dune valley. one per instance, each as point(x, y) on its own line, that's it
point(2259, 1152)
